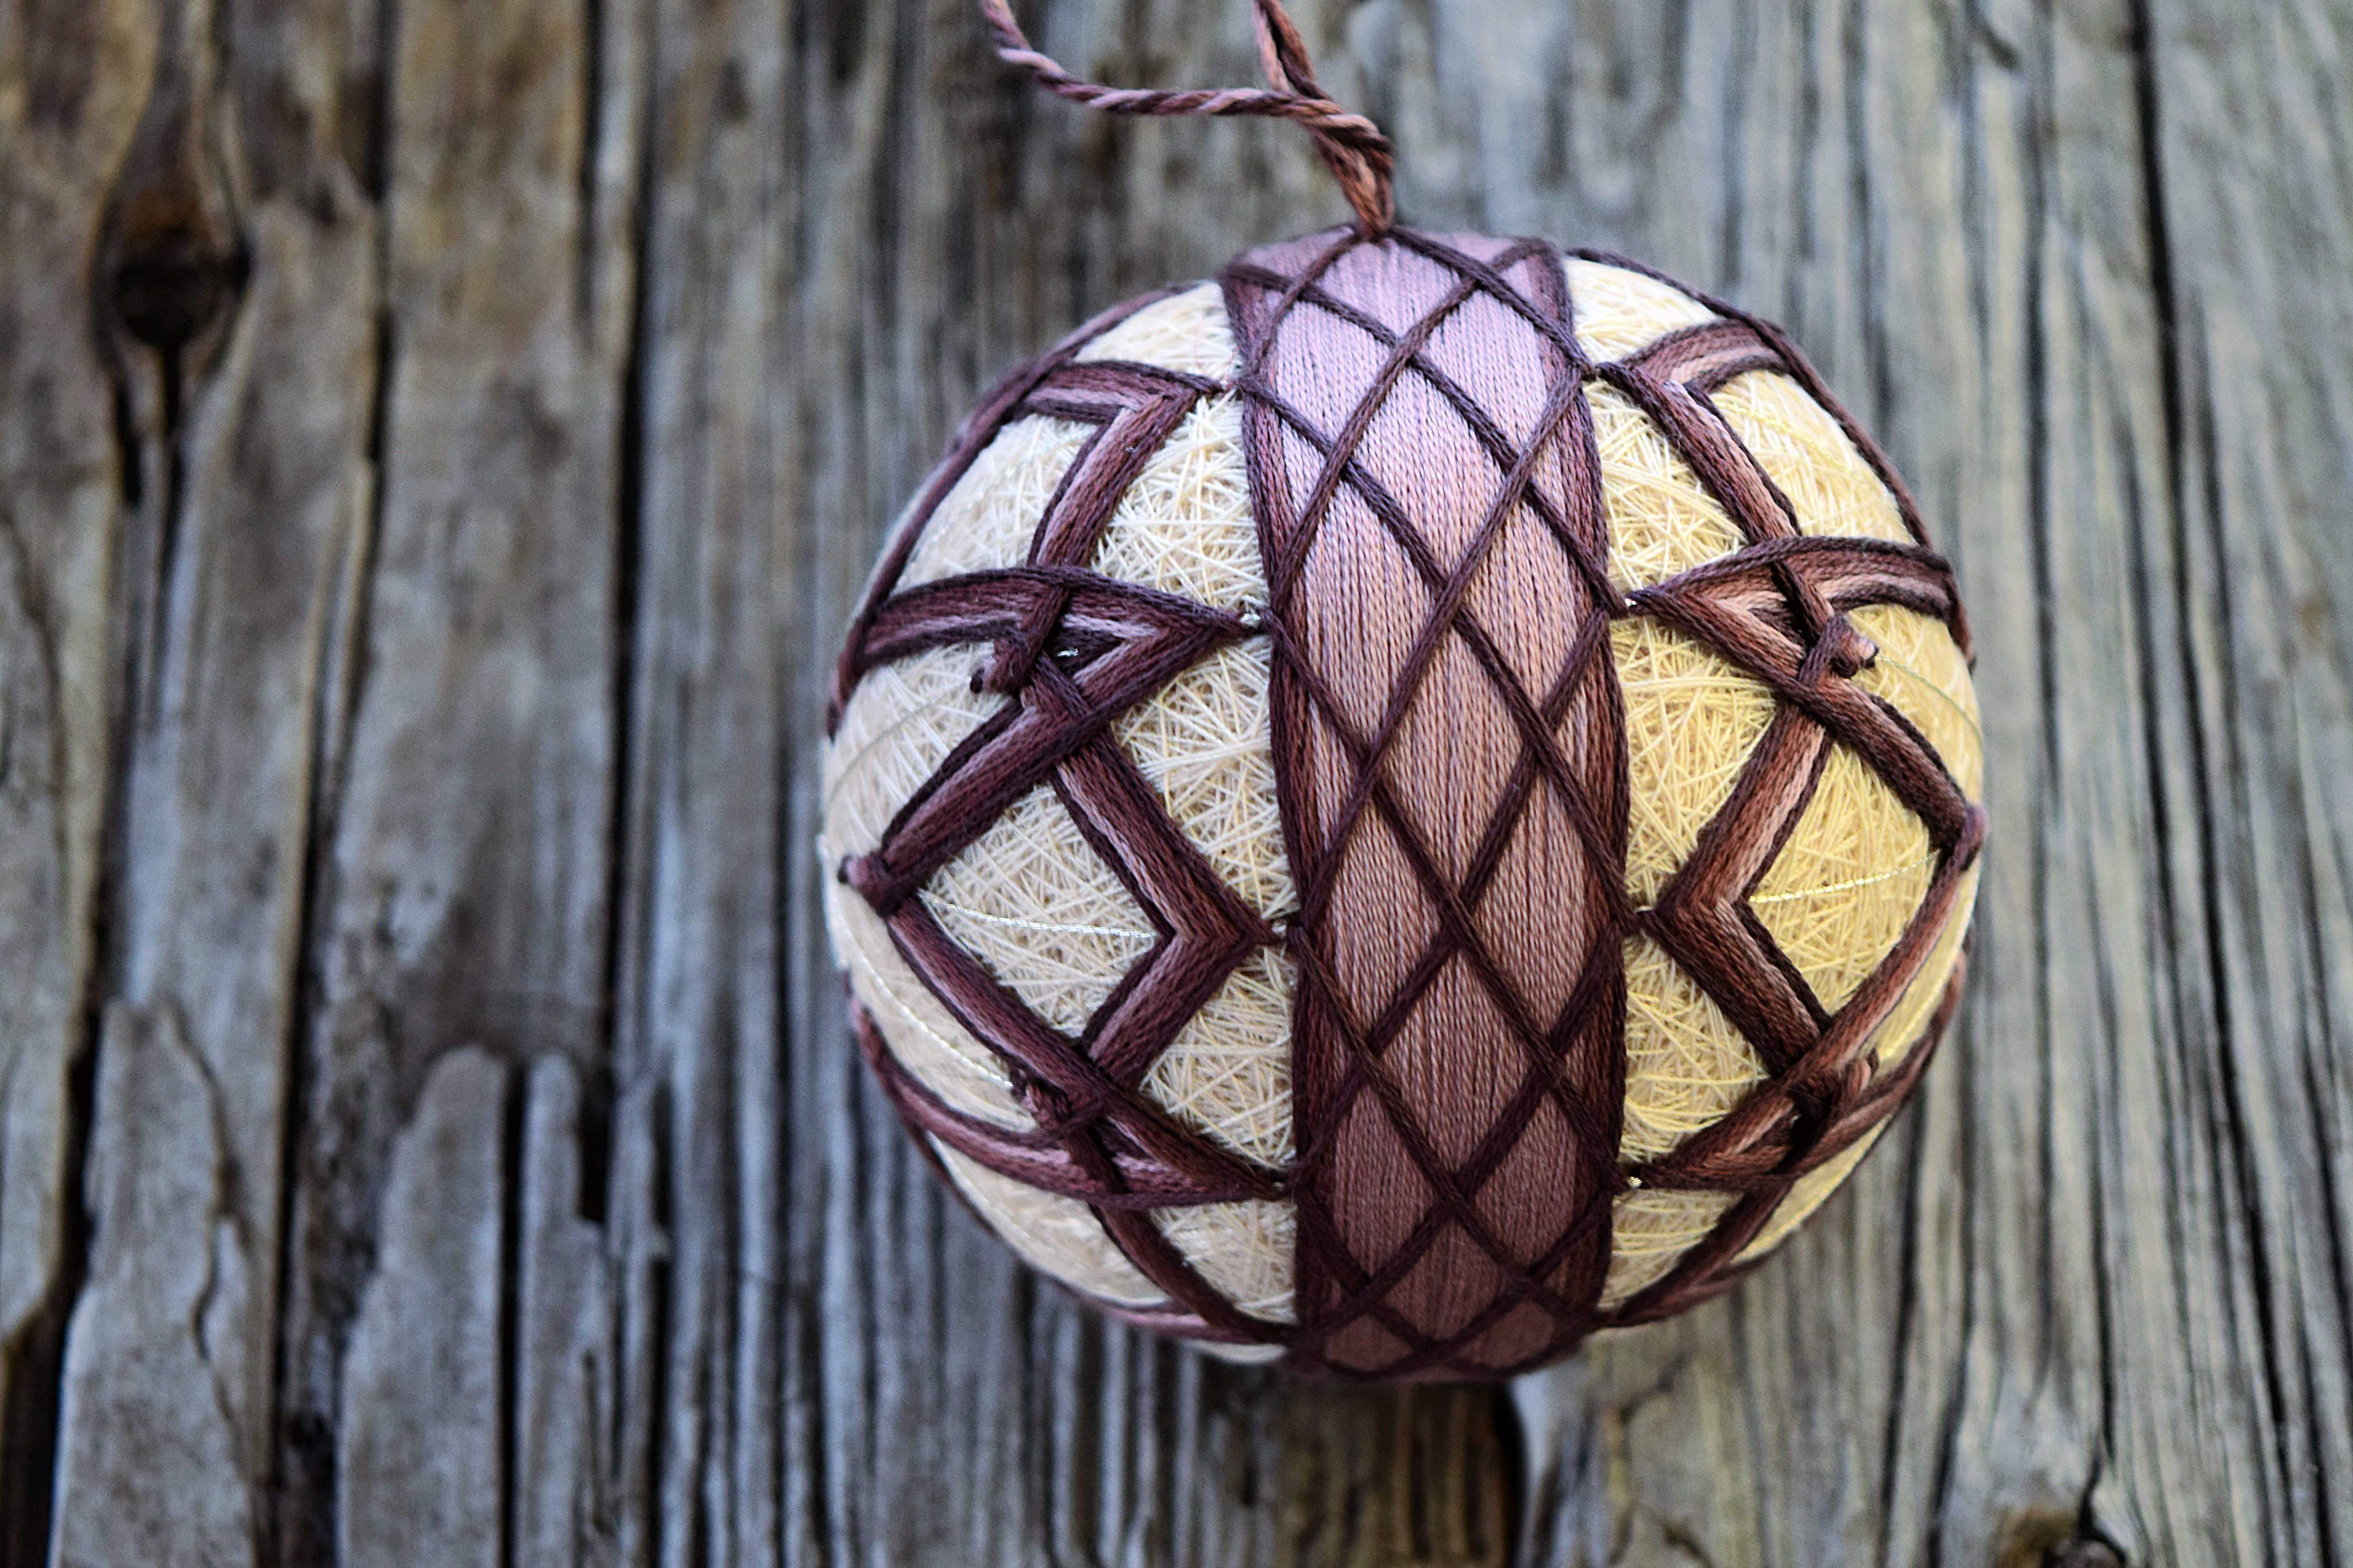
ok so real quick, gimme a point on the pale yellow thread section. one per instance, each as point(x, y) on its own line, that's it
point(1203, 743)
point(1188, 331)
point(1059, 1235)
point(1651, 1231)
point(1808, 1193)
point(922, 1036)
point(1848, 881)
point(1802, 451)
point(1691, 719)
point(1858, 864)
point(1228, 1072)
point(1900, 1032)
point(1922, 674)
point(1030, 898)
point(1668, 1097)
point(1686, 1065)
point(1619, 312)
point(1185, 524)
point(1242, 1249)
point(989, 517)
point(1661, 521)
point(898, 726)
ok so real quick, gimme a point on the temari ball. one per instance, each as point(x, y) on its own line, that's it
point(1404, 806)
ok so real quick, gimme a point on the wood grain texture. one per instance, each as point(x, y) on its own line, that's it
point(439, 441)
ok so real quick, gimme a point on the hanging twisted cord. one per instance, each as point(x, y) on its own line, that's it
point(1352, 147)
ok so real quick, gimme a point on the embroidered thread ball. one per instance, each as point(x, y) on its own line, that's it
point(1404, 804)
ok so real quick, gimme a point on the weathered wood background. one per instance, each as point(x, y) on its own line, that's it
point(438, 442)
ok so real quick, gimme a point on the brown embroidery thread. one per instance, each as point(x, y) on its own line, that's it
point(1352, 147)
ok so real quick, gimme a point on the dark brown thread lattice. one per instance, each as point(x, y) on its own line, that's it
point(1335, 1289)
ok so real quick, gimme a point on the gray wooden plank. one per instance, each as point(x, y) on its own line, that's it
point(563, 1508)
point(422, 1448)
point(2252, 148)
point(463, 885)
point(81, 482)
point(696, 1199)
point(251, 547)
point(152, 1467)
point(73, 97)
point(465, 629)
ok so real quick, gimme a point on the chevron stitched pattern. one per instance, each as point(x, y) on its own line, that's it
point(1071, 650)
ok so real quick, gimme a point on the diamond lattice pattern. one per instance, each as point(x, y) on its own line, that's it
point(1787, 887)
